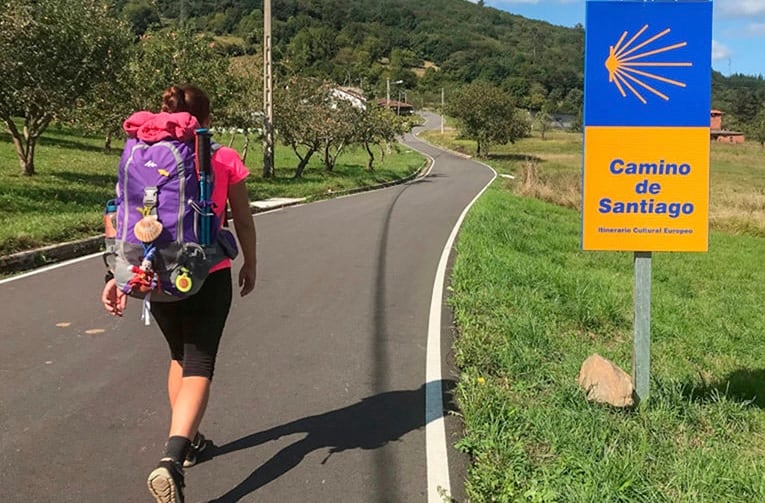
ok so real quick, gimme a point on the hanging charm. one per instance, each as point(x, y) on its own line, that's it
point(183, 281)
point(148, 229)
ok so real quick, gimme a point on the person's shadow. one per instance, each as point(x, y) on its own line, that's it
point(368, 424)
point(744, 385)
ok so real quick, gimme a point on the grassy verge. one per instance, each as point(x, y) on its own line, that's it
point(530, 307)
point(64, 200)
point(550, 170)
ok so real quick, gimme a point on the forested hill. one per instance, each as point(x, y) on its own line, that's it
point(427, 44)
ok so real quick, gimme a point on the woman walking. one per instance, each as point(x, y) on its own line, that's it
point(193, 326)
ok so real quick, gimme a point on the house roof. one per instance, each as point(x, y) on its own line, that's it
point(394, 103)
point(353, 91)
point(354, 98)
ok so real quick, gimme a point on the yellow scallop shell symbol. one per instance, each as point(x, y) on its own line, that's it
point(183, 282)
point(623, 64)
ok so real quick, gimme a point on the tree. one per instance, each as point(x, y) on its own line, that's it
point(311, 50)
point(537, 96)
point(142, 16)
point(244, 104)
point(169, 57)
point(157, 61)
point(487, 114)
point(744, 107)
point(339, 128)
point(543, 121)
point(573, 101)
point(300, 110)
point(758, 126)
point(103, 110)
point(51, 52)
point(376, 125)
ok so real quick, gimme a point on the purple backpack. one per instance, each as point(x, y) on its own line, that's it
point(160, 208)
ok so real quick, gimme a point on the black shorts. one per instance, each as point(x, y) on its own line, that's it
point(193, 327)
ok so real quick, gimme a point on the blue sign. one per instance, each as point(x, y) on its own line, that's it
point(648, 63)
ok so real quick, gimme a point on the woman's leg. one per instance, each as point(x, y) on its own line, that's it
point(166, 481)
point(193, 328)
point(189, 382)
point(174, 381)
point(189, 406)
point(169, 316)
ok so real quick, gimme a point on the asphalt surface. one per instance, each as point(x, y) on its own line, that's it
point(319, 391)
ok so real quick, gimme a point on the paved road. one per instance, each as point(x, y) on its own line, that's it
point(319, 393)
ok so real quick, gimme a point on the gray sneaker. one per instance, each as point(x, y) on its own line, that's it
point(198, 445)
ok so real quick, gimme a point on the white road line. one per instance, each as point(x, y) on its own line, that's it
point(51, 267)
point(435, 426)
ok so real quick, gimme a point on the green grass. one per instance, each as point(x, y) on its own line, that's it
point(530, 307)
point(64, 200)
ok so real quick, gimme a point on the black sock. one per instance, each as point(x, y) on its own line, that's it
point(177, 447)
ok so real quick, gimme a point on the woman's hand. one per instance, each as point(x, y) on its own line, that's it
point(247, 275)
point(113, 299)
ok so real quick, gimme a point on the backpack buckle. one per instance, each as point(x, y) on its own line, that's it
point(150, 200)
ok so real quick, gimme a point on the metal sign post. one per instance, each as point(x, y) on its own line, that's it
point(647, 105)
point(641, 342)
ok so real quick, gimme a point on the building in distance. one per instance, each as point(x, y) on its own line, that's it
point(717, 132)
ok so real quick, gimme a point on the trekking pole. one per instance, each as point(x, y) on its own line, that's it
point(204, 168)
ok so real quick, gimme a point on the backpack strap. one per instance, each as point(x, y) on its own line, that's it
point(214, 147)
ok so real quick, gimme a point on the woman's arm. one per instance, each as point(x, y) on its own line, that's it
point(244, 225)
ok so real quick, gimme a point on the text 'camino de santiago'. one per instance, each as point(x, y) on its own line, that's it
point(647, 205)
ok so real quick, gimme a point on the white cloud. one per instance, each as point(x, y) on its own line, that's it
point(720, 51)
point(742, 8)
point(757, 29)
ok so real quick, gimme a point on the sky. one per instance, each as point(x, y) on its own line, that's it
point(738, 28)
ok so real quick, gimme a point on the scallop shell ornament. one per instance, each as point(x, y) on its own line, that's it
point(148, 229)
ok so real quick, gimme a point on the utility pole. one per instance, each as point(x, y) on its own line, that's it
point(268, 105)
point(387, 92)
point(442, 111)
